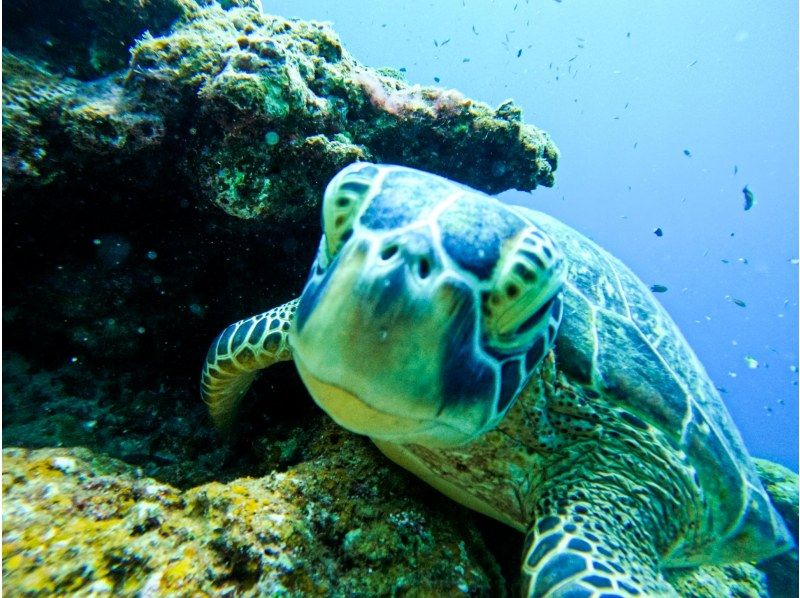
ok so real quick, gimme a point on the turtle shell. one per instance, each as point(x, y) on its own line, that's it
point(617, 339)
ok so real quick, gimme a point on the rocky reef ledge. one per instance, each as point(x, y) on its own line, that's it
point(257, 111)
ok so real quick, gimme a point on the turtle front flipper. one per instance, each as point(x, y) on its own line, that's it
point(589, 540)
point(237, 355)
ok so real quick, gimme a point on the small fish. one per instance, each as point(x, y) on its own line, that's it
point(635, 144)
point(724, 261)
point(722, 389)
point(465, 60)
point(628, 34)
point(794, 261)
point(749, 198)
point(793, 368)
point(658, 288)
point(475, 31)
point(519, 52)
point(435, 43)
point(445, 42)
point(658, 232)
point(751, 362)
point(744, 260)
point(735, 169)
point(570, 60)
point(694, 62)
point(687, 153)
point(437, 79)
point(403, 69)
point(739, 302)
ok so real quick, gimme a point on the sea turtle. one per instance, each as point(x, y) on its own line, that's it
point(521, 370)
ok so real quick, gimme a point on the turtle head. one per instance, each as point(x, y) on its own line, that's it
point(427, 308)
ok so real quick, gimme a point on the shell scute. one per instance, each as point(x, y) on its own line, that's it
point(636, 376)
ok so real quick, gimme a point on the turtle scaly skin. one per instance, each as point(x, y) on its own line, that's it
point(238, 354)
point(521, 370)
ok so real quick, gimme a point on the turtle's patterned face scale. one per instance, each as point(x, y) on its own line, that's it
point(428, 306)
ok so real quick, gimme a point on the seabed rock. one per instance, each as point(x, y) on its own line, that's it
point(341, 523)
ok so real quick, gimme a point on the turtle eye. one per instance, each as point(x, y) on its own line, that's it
point(342, 202)
point(525, 298)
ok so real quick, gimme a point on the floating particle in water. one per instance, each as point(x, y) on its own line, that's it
point(465, 60)
point(687, 153)
point(794, 261)
point(793, 368)
point(112, 250)
point(658, 288)
point(628, 34)
point(272, 138)
point(768, 410)
point(749, 198)
point(732, 374)
point(196, 309)
point(751, 362)
point(403, 69)
point(96, 242)
point(744, 260)
point(437, 79)
point(141, 330)
point(73, 360)
point(151, 255)
point(658, 232)
point(735, 169)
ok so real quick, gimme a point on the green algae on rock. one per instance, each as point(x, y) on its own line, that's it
point(782, 486)
point(342, 523)
point(204, 95)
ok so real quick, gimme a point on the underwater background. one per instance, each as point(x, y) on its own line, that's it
point(662, 114)
point(163, 163)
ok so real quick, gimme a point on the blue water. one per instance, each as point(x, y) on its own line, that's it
point(626, 92)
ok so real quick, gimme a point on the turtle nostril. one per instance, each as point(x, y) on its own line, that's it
point(388, 252)
point(424, 268)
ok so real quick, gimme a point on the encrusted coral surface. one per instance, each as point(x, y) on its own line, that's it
point(266, 111)
point(341, 523)
point(782, 486)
